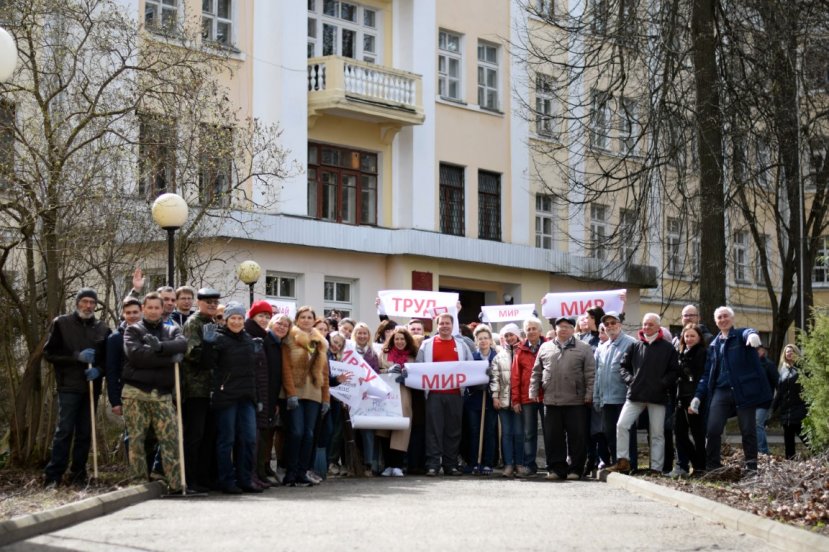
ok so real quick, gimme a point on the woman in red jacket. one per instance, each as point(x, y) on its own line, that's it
point(530, 409)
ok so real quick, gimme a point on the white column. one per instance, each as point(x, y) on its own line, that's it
point(280, 90)
point(577, 131)
point(520, 190)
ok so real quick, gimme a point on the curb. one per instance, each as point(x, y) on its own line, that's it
point(777, 534)
point(25, 527)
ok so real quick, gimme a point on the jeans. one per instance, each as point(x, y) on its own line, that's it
point(656, 424)
point(610, 416)
point(512, 437)
point(721, 408)
point(530, 413)
point(73, 421)
point(300, 445)
point(760, 417)
point(473, 428)
point(565, 431)
point(236, 444)
point(367, 440)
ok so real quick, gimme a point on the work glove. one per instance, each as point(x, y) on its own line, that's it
point(395, 369)
point(694, 407)
point(293, 402)
point(152, 342)
point(325, 408)
point(92, 373)
point(753, 340)
point(177, 358)
point(87, 356)
point(489, 371)
point(257, 345)
point(208, 333)
point(401, 377)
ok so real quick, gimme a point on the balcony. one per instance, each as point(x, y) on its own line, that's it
point(354, 89)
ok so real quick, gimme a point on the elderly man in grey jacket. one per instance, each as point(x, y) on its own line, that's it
point(564, 370)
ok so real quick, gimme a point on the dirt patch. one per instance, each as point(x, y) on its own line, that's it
point(22, 492)
point(791, 491)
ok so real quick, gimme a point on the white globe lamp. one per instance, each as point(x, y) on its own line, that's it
point(249, 273)
point(170, 213)
point(8, 55)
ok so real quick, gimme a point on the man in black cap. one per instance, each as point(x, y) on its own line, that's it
point(74, 347)
point(199, 434)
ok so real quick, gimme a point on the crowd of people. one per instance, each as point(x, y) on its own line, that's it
point(257, 409)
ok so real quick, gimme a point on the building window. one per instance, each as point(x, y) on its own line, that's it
point(677, 144)
point(342, 184)
point(759, 265)
point(280, 285)
point(451, 200)
point(820, 274)
point(600, 117)
point(216, 21)
point(695, 254)
point(156, 156)
point(7, 125)
point(344, 29)
point(215, 165)
point(449, 65)
point(630, 127)
point(489, 206)
point(161, 15)
point(487, 75)
point(816, 65)
point(545, 9)
point(741, 264)
point(338, 294)
point(599, 16)
point(545, 104)
point(673, 246)
point(598, 230)
point(628, 234)
point(544, 221)
point(763, 152)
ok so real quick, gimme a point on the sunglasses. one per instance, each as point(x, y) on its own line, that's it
point(219, 317)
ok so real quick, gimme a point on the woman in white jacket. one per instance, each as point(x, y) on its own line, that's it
point(512, 430)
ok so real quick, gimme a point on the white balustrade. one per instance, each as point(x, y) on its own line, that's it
point(367, 80)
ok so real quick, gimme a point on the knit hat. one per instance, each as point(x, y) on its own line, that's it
point(83, 293)
point(510, 328)
point(260, 306)
point(234, 308)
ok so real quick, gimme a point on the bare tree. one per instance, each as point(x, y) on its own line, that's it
point(101, 116)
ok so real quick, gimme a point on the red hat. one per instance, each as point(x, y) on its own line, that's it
point(260, 306)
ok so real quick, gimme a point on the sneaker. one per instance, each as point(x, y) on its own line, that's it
point(622, 466)
point(454, 471)
point(573, 476)
point(280, 475)
point(552, 476)
point(333, 469)
point(509, 471)
point(387, 472)
point(523, 471)
point(303, 482)
point(431, 472)
point(397, 472)
point(677, 473)
point(313, 477)
point(486, 470)
point(476, 470)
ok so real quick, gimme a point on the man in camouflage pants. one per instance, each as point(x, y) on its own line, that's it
point(152, 348)
point(199, 431)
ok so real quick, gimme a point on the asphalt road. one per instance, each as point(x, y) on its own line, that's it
point(412, 513)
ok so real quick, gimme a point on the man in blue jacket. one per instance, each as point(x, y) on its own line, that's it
point(734, 382)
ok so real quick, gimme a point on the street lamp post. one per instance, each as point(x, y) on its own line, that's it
point(8, 55)
point(249, 273)
point(170, 213)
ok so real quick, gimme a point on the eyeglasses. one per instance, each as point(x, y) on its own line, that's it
point(610, 323)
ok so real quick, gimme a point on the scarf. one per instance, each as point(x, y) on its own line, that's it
point(398, 356)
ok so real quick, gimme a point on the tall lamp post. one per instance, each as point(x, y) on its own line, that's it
point(170, 213)
point(8, 55)
point(249, 273)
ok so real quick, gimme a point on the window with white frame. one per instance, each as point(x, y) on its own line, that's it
point(217, 21)
point(545, 106)
point(600, 120)
point(544, 213)
point(741, 262)
point(759, 266)
point(673, 246)
point(450, 62)
point(763, 152)
point(544, 9)
point(598, 229)
point(347, 29)
point(599, 16)
point(282, 286)
point(161, 15)
point(694, 254)
point(338, 294)
point(487, 75)
point(820, 272)
point(628, 234)
point(630, 127)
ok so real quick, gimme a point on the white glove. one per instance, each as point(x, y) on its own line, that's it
point(694, 405)
point(753, 340)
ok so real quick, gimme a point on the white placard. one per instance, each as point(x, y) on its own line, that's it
point(576, 303)
point(288, 308)
point(443, 376)
point(507, 313)
point(381, 413)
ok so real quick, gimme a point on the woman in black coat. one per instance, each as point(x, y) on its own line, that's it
point(692, 355)
point(788, 403)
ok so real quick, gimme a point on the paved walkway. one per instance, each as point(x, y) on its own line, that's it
point(412, 513)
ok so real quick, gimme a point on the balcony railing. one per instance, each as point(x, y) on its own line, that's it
point(354, 88)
